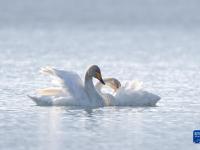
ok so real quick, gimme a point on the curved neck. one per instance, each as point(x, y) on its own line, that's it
point(93, 95)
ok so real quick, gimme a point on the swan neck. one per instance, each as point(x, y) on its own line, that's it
point(87, 77)
point(93, 95)
point(89, 83)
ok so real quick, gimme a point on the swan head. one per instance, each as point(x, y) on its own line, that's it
point(95, 72)
point(113, 83)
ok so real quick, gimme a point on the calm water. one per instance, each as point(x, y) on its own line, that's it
point(166, 60)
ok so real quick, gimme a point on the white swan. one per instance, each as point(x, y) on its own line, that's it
point(130, 94)
point(72, 91)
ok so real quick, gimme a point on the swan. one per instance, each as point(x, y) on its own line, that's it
point(72, 91)
point(130, 94)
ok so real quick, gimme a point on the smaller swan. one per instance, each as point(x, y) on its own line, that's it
point(130, 94)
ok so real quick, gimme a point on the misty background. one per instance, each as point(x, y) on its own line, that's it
point(127, 12)
point(152, 41)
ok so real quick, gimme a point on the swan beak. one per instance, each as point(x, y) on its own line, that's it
point(99, 77)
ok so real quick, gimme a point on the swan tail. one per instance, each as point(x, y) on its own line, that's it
point(40, 101)
point(35, 99)
point(52, 91)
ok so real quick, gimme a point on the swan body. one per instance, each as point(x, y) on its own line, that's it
point(130, 94)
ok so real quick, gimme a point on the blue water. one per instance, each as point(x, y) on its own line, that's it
point(166, 60)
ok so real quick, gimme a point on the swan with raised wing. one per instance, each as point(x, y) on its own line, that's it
point(71, 91)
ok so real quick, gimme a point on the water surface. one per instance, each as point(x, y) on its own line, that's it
point(166, 60)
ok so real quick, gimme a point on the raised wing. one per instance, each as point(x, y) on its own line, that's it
point(69, 80)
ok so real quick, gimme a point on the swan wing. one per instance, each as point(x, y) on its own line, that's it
point(52, 91)
point(70, 81)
